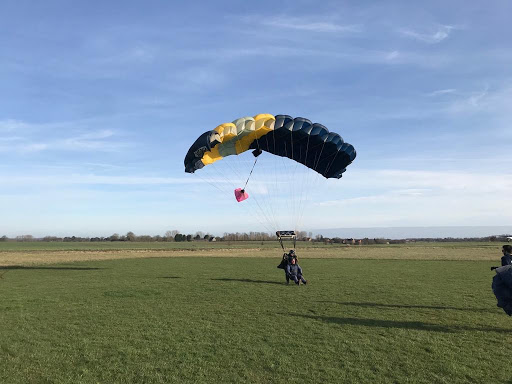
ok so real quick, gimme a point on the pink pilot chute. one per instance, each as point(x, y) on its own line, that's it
point(241, 195)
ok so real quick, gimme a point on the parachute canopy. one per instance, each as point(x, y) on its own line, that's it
point(298, 139)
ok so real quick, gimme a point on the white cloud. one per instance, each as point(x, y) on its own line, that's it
point(92, 179)
point(442, 33)
point(96, 140)
point(34, 147)
point(310, 26)
point(88, 141)
point(11, 125)
point(497, 101)
point(418, 198)
point(392, 55)
point(442, 92)
point(469, 182)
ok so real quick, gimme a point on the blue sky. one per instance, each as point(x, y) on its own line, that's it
point(100, 101)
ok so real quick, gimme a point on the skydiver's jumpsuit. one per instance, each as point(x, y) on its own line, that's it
point(294, 272)
point(506, 259)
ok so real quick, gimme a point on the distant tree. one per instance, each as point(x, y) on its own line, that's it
point(197, 237)
point(179, 237)
point(25, 238)
point(171, 235)
point(4, 238)
point(130, 236)
point(114, 237)
point(189, 237)
point(207, 237)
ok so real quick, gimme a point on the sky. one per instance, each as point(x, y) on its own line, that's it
point(100, 101)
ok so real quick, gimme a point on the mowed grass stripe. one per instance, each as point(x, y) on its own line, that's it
point(37, 253)
point(211, 320)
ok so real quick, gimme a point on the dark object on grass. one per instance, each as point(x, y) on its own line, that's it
point(502, 288)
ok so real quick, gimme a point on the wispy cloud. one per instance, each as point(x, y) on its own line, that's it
point(301, 24)
point(422, 198)
point(92, 140)
point(93, 179)
point(33, 147)
point(100, 140)
point(441, 92)
point(483, 99)
point(442, 33)
point(10, 125)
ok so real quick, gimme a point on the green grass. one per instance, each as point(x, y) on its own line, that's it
point(228, 320)
point(13, 246)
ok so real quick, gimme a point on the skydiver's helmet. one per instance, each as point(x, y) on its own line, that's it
point(292, 252)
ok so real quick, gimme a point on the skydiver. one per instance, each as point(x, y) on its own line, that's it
point(506, 259)
point(294, 272)
point(286, 260)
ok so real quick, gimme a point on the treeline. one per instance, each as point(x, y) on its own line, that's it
point(130, 236)
point(260, 236)
point(176, 236)
point(173, 235)
point(368, 241)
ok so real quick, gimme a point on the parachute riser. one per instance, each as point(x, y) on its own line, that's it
point(286, 235)
point(255, 153)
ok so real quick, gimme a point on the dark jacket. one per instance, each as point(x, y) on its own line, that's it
point(502, 288)
point(506, 259)
point(294, 270)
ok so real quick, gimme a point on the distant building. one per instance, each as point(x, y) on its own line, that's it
point(509, 239)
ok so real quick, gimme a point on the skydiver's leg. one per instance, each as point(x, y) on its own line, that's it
point(287, 277)
point(302, 279)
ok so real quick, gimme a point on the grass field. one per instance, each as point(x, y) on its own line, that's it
point(397, 314)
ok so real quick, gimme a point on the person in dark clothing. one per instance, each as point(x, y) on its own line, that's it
point(502, 282)
point(291, 256)
point(287, 259)
point(502, 287)
point(294, 272)
point(506, 259)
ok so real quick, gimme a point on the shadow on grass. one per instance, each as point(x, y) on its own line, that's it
point(170, 277)
point(406, 306)
point(250, 281)
point(415, 325)
point(12, 267)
